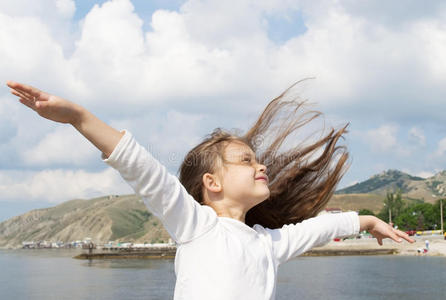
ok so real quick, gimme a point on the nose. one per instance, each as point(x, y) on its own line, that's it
point(262, 168)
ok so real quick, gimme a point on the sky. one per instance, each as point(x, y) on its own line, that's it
point(171, 71)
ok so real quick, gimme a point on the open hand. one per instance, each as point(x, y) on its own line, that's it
point(46, 105)
point(381, 230)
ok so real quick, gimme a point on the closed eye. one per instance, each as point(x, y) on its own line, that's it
point(247, 159)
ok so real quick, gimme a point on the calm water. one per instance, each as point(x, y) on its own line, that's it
point(53, 274)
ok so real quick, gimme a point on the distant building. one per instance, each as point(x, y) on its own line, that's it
point(331, 211)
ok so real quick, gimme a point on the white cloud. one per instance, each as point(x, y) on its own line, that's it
point(59, 185)
point(54, 15)
point(441, 148)
point(8, 124)
point(432, 35)
point(425, 174)
point(215, 56)
point(168, 136)
point(34, 56)
point(218, 49)
point(66, 7)
point(383, 139)
point(108, 53)
point(178, 132)
point(45, 10)
point(416, 135)
point(62, 146)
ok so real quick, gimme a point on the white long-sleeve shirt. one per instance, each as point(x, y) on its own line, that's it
point(219, 257)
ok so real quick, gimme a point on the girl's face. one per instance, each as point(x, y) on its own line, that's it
point(244, 180)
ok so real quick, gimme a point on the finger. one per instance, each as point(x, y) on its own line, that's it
point(15, 93)
point(405, 236)
point(394, 236)
point(27, 103)
point(24, 88)
point(31, 102)
point(21, 95)
point(380, 241)
point(24, 94)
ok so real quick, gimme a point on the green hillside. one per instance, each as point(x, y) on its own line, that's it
point(126, 218)
point(412, 187)
point(391, 179)
point(117, 218)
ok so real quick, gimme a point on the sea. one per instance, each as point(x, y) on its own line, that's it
point(54, 274)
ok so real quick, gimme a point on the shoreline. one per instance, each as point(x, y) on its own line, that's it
point(437, 246)
point(349, 252)
point(364, 246)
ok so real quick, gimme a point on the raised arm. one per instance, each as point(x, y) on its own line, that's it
point(57, 109)
point(182, 216)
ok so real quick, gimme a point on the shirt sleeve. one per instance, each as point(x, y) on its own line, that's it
point(294, 239)
point(163, 194)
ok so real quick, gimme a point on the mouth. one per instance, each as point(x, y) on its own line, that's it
point(264, 178)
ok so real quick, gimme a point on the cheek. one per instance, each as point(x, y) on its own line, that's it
point(240, 176)
point(239, 181)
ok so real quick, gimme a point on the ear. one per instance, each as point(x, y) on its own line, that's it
point(212, 183)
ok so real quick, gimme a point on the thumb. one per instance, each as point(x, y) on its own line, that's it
point(380, 241)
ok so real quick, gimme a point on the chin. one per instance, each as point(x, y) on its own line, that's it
point(267, 194)
point(265, 197)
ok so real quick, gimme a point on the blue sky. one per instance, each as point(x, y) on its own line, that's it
point(171, 71)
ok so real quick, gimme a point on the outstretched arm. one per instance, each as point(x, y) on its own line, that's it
point(294, 239)
point(57, 109)
point(182, 216)
point(381, 230)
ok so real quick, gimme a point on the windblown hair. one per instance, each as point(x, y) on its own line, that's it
point(301, 179)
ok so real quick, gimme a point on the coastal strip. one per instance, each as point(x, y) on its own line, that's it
point(346, 252)
point(145, 253)
point(436, 247)
point(169, 252)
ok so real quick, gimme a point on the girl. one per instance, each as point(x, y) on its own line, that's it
point(238, 210)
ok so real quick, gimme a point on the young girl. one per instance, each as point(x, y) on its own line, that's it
point(237, 211)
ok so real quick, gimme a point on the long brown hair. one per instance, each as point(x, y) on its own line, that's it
point(302, 179)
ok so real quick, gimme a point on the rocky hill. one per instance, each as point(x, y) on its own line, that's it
point(412, 187)
point(126, 219)
point(111, 218)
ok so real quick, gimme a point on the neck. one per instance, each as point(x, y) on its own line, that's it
point(229, 211)
point(239, 217)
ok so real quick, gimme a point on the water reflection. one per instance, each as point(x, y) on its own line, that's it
point(54, 274)
point(155, 264)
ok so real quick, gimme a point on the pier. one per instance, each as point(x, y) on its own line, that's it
point(343, 252)
point(119, 253)
point(170, 251)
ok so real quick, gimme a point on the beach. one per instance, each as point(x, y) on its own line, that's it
point(347, 247)
point(437, 246)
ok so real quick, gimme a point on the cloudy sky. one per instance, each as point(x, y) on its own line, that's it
point(170, 71)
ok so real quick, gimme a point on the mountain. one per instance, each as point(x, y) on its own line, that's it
point(356, 202)
point(110, 218)
point(411, 187)
point(370, 194)
point(126, 219)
